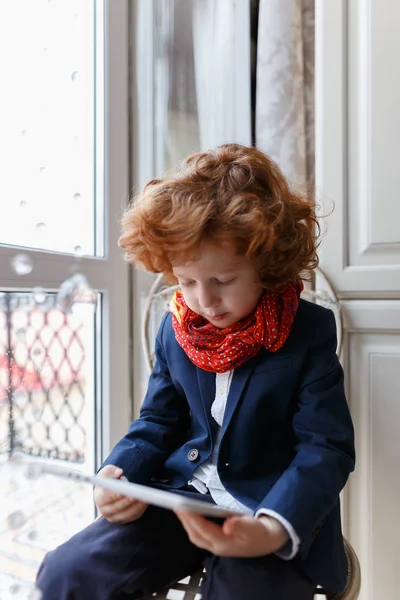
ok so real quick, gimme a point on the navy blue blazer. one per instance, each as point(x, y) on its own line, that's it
point(287, 440)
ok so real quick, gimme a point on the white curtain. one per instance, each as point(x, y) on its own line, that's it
point(285, 87)
point(162, 74)
point(222, 64)
point(193, 78)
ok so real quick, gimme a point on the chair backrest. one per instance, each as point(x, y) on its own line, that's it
point(156, 306)
point(353, 584)
point(160, 295)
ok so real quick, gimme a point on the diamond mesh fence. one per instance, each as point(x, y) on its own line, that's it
point(43, 378)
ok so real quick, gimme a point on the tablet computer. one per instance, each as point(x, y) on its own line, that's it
point(150, 495)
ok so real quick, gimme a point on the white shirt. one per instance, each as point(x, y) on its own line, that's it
point(206, 479)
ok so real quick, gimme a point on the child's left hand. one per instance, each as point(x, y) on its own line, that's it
point(241, 536)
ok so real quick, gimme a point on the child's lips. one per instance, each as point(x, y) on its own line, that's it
point(216, 317)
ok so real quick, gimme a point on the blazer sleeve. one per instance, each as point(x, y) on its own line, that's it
point(163, 421)
point(323, 429)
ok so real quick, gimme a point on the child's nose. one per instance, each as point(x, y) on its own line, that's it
point(207, 298)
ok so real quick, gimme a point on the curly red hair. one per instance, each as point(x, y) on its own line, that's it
point(233, 194)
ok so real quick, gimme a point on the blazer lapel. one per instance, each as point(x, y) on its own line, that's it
point(239, 380)
point(206, 383)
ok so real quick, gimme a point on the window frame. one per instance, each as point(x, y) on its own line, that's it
point(108, 274)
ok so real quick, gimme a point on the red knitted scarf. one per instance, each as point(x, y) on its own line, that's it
point(220, 350)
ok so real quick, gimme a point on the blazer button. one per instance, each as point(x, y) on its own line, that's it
point(193, 454)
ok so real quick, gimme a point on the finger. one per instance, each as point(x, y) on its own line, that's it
point(193, 518)
point(105, 493)
point(196, 539)
point(105, 496)
point(236, 527)
point(128, 515)
point(203, 533)
point(192, 532)
point(133, 505)
point(204, 527)
point(110, 471)
point(118, 505)
point(125, 517)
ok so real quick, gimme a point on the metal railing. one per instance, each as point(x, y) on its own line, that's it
point(42, 378)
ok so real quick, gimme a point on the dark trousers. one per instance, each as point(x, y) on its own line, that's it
point(109, 562)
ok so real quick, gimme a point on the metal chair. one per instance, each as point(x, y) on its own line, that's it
point(156, 305)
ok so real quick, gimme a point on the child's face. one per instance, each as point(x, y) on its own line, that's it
point(221, 286)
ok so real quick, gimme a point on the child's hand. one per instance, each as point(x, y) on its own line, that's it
point(115, 507)
point(243, 537)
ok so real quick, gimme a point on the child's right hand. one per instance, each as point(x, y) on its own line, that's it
point(115, 507)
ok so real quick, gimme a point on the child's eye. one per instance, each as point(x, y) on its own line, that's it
point(227, 282)
point(186, 283)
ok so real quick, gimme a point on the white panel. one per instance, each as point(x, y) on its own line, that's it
point(373, 131)
point(385, 123)
point(373, 494)
point(371, 315)
point(357, 131)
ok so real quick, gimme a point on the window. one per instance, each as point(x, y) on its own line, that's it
point(64, 287)
point(51, 125)
point(64, 319)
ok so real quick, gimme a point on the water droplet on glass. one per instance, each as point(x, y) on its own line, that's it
point(23, 204)
point(75, 76)
point(35, 594)
point(88, 296)
point(69, 290)
point(24, 132)
point(77, 139)
point(42, 169)
point(77, 196)
point(20, 334)
point(36, 352)
point(16, 519)
point(83, 310)
point(39, 295)
point(22, 264)
point(40, 226)
point(14, 588)
point(78, 250)
point(32, 535)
